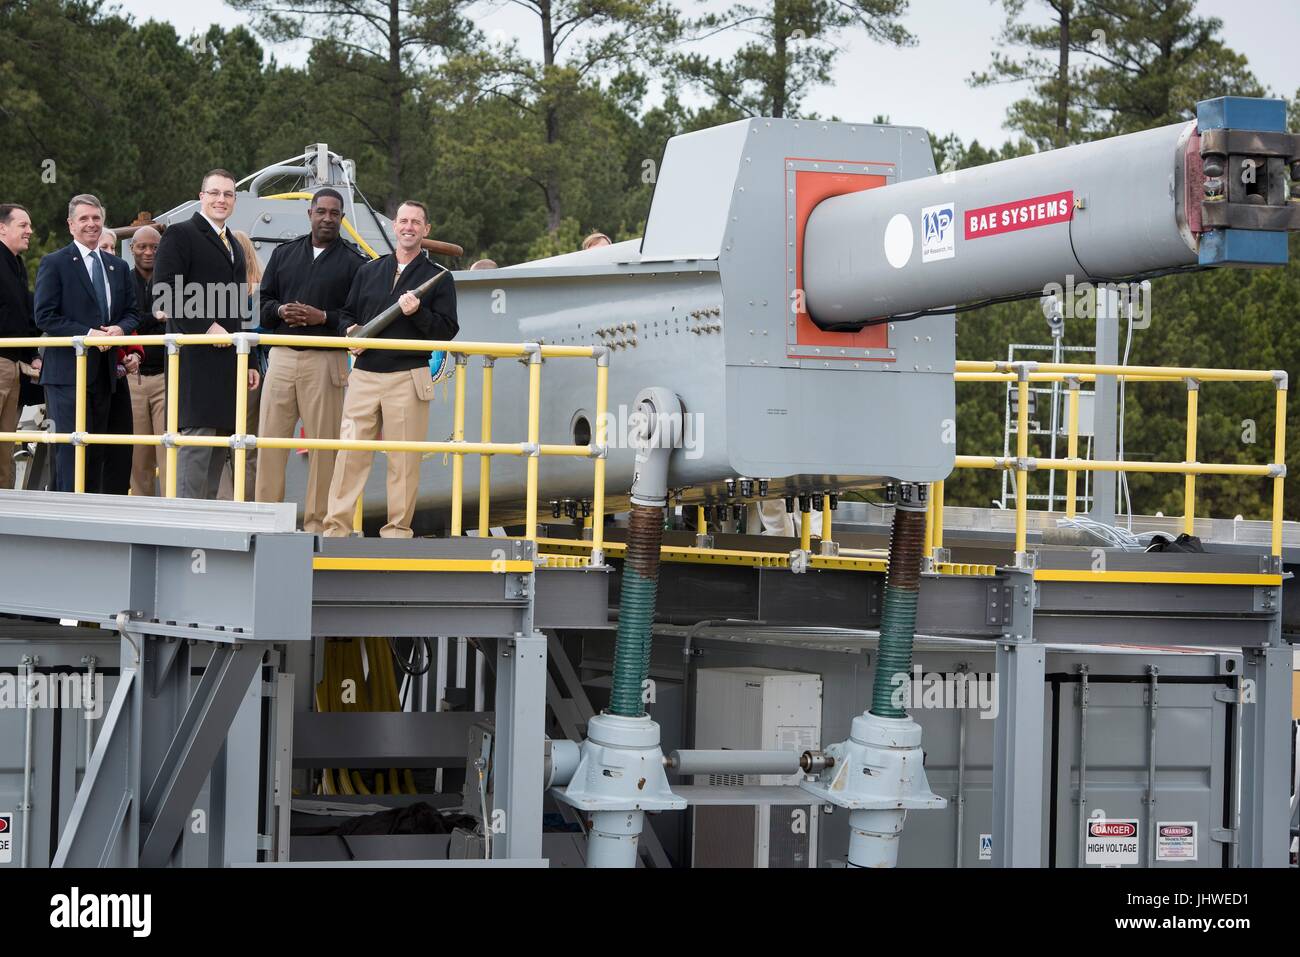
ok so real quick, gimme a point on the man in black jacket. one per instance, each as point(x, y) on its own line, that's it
point(303, 294)
point(15, 323)
point(390, 391)
point(200, 285)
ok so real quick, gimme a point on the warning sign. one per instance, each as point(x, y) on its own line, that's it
point(6, 838)
point(1111, 842)
point(1021, 214)
point(1176, 841)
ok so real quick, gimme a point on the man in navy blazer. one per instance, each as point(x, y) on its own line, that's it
point(81, 291)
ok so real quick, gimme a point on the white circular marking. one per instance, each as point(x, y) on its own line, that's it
point(898, 241)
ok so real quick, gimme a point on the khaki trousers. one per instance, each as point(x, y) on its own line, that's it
point(10, 385)
point(149, 413)
point(304, 384)
point(395, 404)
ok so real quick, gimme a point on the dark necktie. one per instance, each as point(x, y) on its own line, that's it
point(101, 290)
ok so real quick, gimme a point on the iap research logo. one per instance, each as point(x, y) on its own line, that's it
point(938, 232)
point(76, 910)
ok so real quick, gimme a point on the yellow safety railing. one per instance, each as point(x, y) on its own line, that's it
point(457, 447)
point(1023, 373)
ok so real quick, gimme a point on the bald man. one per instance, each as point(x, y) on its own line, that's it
point(148, 387)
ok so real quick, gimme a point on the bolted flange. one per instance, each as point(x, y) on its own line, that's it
point(879, 767)
point(622, 768)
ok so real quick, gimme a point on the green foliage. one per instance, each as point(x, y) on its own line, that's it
point(1135, 64)
point(1229, 319)
point(796, 44)
point(1100, 67)
point(520, 159)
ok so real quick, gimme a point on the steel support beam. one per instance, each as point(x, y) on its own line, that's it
point(1265, 757)
point(1106, 407)
point(194, 748)
point(518, 771)
point(1018, 735)
point(103, 828)
point(213, 571)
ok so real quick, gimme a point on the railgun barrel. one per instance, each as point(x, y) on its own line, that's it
point(1202, 193)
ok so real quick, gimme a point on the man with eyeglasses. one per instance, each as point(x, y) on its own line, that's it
point(83, 291)
point(200, 285)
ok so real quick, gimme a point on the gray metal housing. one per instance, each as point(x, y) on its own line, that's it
point(702, 306)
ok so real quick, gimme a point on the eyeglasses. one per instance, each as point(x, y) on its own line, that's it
point(218, 194)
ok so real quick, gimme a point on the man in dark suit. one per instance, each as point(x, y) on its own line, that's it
point(81, 291)
point(200, 284)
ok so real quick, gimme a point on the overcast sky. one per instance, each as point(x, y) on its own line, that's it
point(923, 85)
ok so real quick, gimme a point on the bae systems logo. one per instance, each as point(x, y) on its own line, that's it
point(1112, 829)
point(938, 235)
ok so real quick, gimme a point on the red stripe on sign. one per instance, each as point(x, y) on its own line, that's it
point(1022, 214)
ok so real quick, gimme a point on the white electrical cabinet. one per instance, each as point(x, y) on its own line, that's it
point(756, 709)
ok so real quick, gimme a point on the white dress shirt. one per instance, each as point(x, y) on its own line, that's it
point(220, 230)
point(90, 271)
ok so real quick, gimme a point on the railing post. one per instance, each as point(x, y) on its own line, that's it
point(458, 458)
point(242, 346)
point(936, 497)
point(601, 451)
point(1022, 456)
point(534, 436)
point(79, 422)
point(173, 411)
point(485, 461)
point(1189, 480)
point(929, 527)
point(1279, 458)
point(1072, 446)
